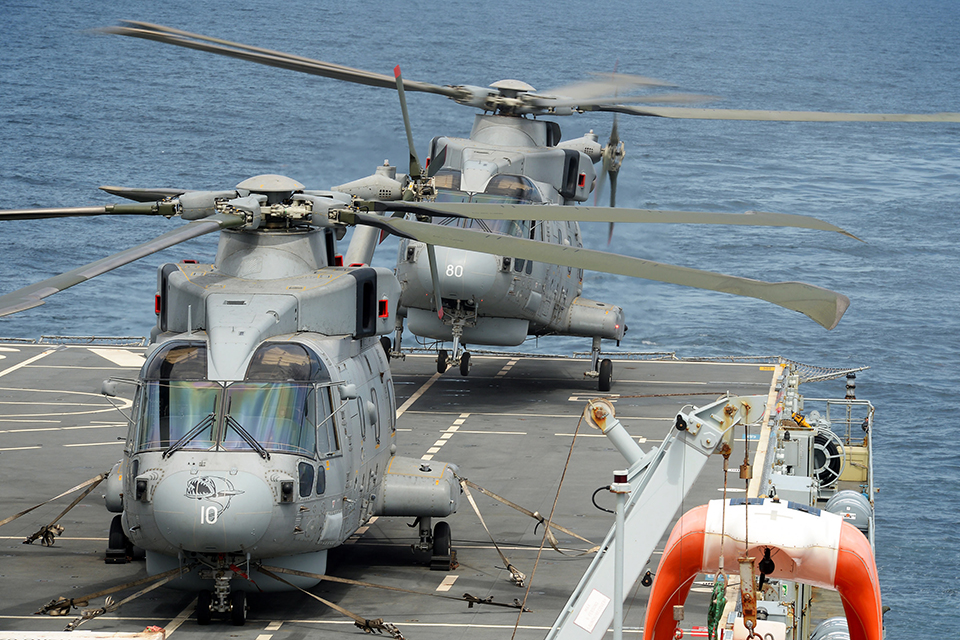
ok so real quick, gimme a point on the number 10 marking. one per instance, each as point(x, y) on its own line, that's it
point(208, 515)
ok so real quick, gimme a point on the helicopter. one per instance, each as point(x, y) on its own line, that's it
point(511, 157)
point(262, 427)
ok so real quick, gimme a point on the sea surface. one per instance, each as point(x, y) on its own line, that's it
point(79, 110)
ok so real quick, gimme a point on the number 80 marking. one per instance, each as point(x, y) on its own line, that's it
point(455, 270)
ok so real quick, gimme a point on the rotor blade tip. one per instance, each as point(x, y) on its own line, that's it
point(396, 71)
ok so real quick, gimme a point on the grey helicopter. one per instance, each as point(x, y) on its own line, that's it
point(513, 157)
point(263, 426)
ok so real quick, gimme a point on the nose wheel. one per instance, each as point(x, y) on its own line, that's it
point(602, 370)
point(221, 601)
point(460, 358)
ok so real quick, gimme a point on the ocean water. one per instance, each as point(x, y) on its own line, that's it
point(79, 110)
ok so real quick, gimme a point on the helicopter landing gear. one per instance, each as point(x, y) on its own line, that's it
point(444, 557)
point(395, 352)
point(238, 608)
point(438, 543)
point(600, 369)
point(119, 548)
point(460, 356)
point(222, 600)
point(441, 360)
point(204, 613)
point(385, 345)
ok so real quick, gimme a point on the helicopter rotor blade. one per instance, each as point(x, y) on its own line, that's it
point(593, 104)
point(435, 278)
point(437, 163)
point(151, 209)
point(33, 295)
point(139, 194)
point(483, 211)
point(269, 57)
point(776, 116)
point(415, 171)
point(821, 305)
point(606, 84)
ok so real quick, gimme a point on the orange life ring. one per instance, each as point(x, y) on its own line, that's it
point(811, 546)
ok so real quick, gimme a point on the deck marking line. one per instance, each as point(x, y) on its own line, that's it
point(120, 357)
point(94, 444)
point(447, 583)
point(264, 636)
point(36, 446)
point(446, 435)
point(439, 443)
point(416, 396)
point(26, 362)
point(433, 450)
point(426, 457)
point(274, 626)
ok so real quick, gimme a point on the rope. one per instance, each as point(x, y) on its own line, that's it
point(95, 481)
point(546, 528)
point(109, 605)
point(516, 575)
point(376, 625)
point(536, 516)
point(62, 606)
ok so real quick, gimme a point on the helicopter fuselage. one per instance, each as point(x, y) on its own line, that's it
point(500, 300)
point(263, 426)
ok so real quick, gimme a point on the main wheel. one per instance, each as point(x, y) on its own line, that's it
point(441, 360)
point(442, 539)
point(606, 374)
point(385, 343)
point(204, 599)
point(119, 547)
point(238, 608)
point(465, 363)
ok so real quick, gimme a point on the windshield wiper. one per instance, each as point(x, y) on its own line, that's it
point(249, 439)
point(189, 435)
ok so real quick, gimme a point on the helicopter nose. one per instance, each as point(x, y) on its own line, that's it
point(212, 511)
point(462, 274)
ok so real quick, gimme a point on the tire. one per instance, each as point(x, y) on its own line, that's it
point(119, 547)
point(606, 374)
point(441, 360)
point(465, 363)
point(238, 608)
point(442, 539)
point(385, 343)
point(204, 599)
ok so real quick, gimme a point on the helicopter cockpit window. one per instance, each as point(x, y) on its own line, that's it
point(178, 361)
point(285, 361)
point(177, 405)
point(279, 416)
point(178, 412)
point(518, 188)
point(282, 406)
point(501, 189)
point(447, 179)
